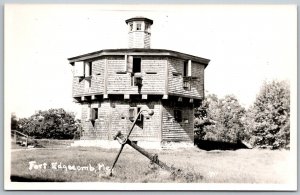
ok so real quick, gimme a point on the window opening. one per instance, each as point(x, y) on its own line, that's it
point(140, 120)
point(136, 65)
point(185, 69)
point(147, 27)
point(178, 115)
point(131, 27)
point(136, 79)
point(94, 114)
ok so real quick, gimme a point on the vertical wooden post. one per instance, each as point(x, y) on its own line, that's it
point(105, 78)
point(166, 77)
point(125, 63)
point(189, 68)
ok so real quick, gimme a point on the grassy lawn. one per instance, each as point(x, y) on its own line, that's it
point(240, 166)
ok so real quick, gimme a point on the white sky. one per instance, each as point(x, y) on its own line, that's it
point(246, 45)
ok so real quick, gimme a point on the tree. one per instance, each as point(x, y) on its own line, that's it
point(13, 121)
point(220, 119)
point(52, 123)
point(268, 120)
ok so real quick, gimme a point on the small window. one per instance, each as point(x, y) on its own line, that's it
point(178, 115)
point(131, 27)
point(138, 26)
point(147, 27)
point(140, 120)
point(94, 114)
point(132, 113)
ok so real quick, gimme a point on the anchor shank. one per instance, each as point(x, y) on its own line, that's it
point(153, 158)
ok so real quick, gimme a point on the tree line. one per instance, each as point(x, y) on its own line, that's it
point(265, 124)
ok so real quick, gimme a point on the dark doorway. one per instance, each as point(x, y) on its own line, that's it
point(136, 65)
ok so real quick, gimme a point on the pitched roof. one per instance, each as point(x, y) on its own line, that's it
point(138, 52)
point(139, 18)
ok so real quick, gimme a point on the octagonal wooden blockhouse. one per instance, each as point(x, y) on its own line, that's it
point(113, 85)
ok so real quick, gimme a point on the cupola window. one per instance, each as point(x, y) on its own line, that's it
point(131, 27)
point(138, 26)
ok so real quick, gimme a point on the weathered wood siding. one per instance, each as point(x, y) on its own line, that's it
point(138, 39)
point(120, 83)
point(102, 124)
point(177, 131)
point(97, 85)
point(153, 69)
point(78, 86)
point(175, 79)
point(152, 124)
point(97, 81)
point(113, 116)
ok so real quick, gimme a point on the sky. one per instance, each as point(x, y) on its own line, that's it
point(247, 44)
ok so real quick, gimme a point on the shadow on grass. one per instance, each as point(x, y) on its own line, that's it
point(217, 145)
point(15, 178)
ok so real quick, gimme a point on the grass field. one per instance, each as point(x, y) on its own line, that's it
point(240, 166)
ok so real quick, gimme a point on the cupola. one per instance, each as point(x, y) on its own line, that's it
point(139, 32)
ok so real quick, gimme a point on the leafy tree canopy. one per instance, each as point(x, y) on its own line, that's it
point(52, 123)
point(220, 119)
point(268, 120)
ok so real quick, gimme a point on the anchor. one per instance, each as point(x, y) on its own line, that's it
point(123, 140)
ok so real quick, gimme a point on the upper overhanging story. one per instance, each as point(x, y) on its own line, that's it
point(138, 70)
